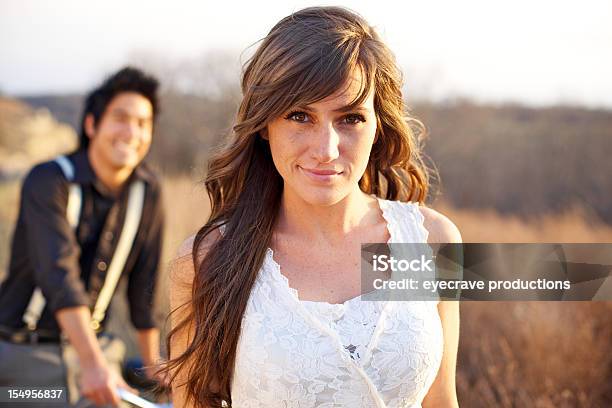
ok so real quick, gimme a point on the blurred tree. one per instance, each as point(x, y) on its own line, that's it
point(200, 97)
point(516, 159)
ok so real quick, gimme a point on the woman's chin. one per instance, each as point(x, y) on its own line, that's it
point(323, 197)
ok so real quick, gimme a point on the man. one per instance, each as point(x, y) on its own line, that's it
point(85, 220)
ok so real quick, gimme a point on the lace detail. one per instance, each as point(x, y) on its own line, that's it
point(294, 353)
point(406, 221)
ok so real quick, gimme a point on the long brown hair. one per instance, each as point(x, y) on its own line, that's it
point(305, 58)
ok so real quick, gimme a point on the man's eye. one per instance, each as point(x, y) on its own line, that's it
point(297, 116)
point(354, 119)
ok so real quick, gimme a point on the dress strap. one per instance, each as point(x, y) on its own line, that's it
point(405, 221)
point(406, 224)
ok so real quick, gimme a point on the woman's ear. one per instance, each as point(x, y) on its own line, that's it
point(89, 125)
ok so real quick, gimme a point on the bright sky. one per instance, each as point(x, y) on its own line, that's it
point(531, 51)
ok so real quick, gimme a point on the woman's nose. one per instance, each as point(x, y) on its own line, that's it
point(327, 141)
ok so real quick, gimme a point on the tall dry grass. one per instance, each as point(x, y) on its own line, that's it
point(511, 354)
point(534, 354)
point(576, 225)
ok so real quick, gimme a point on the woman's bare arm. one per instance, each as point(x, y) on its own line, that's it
point(181, 279)
point(182, 274)
point(443, 392)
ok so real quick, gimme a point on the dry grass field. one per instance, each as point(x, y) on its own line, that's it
point(534, 354)
point(512, 354)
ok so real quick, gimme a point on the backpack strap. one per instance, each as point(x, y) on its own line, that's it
point(73, 212)
point(75, 195)
point(124, 246)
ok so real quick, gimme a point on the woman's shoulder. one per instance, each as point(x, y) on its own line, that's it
point(433, 225)
point(186, 248)
point(182, 266)
point(441, 228)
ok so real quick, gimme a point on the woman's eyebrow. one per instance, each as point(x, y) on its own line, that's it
point(352, 108)
point(304, 108)
point(342, 109)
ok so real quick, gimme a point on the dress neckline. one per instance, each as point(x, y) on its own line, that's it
point(277, 273)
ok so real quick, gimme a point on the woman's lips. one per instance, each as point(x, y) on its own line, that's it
point(320, 175)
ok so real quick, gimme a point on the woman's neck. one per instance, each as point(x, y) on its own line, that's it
point(331, 224)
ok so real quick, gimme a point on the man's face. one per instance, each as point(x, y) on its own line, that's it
point(122, 136)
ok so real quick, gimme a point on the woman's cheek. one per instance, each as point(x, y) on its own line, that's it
point(361, 159)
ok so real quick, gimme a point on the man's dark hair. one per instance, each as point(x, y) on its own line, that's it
point(128, 79)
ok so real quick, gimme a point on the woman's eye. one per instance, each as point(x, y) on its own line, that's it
point(297, 116)
point(354, 119)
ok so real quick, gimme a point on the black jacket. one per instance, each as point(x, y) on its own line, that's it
point(70, 267)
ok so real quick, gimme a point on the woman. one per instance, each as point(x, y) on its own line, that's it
point(266, 297)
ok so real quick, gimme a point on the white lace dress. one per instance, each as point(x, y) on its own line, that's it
point(300, 354)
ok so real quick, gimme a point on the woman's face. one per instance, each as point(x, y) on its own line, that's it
point(322, 150)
